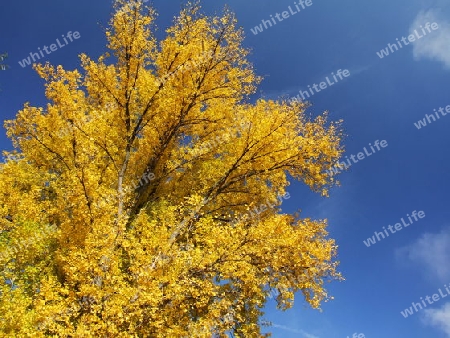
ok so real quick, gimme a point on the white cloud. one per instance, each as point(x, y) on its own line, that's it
point(430, 252)
point(439, 318)
point(435, 44)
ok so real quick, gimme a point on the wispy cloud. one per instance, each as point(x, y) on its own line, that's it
point(431, 252)
point(439, 318)
point(303, 333)
point(434, 46)
point(294, 90)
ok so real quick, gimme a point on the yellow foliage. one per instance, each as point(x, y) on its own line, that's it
point(91, 247)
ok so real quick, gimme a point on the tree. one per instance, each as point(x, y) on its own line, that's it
point(143, 200)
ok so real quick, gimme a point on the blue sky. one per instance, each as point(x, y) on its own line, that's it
point(382, 99)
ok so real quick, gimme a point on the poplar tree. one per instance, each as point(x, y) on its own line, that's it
point(121, 209)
